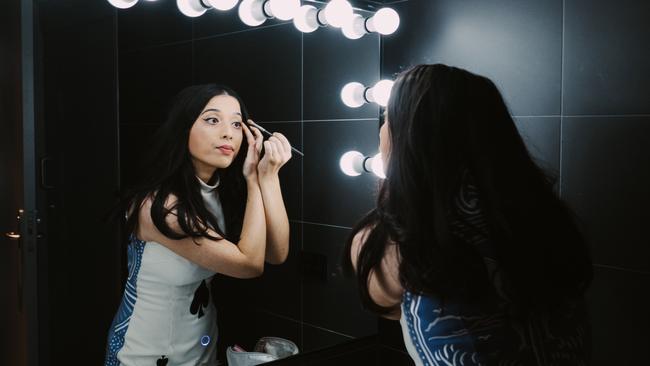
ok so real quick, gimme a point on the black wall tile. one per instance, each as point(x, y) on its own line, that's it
point(262, 65)
point(151, 23)
point(315, 338)
point(390, 334)
point(330, 62)
point(516, 44)
point(215, 22)
point(77, 15)
point(330, 196)
point(334, 303)
point(134, 139)
point(390, 357)
point(150, 78)
point(605, 177)
point(618, 304)
point(278, 290)
point(291, 172)
point(606, 57)
point(542, 138)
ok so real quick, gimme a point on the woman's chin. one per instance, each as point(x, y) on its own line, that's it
point(222, 164)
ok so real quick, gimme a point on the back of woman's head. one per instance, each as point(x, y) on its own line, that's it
point(444, 122)
point(166, 167)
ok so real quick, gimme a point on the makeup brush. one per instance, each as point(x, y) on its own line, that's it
point(270, 134)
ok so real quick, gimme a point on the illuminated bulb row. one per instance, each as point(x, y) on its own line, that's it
point(256, 12)
point(385, 21)
point(355, 94)
point(339, 14)
point(191, 8)
point(353, 163)
point(307, 18)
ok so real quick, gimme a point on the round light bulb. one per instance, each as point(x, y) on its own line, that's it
point(122, 4)
point(354, 29)
point(352, 94)
point(305, 19)
point(223, 5)
point(381, 92)
point(251, 12)
point(385, 21)
point(377, 166)
point(338, 13)
point(191, 8)
point(284, 9)
point(351, 163)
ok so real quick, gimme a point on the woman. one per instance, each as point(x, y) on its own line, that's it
point(469, 246)
point(206, 204)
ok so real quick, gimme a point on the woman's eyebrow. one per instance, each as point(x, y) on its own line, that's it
point(218, 111)
point(210, 110)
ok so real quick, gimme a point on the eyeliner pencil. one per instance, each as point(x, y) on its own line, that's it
point(270, 134)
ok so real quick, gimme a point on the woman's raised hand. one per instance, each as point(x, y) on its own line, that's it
point(277, 151)
point(255, 140)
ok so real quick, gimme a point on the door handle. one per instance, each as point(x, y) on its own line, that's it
point(12, 235)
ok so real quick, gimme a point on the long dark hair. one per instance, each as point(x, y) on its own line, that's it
point(444, 121)
point(166, 168)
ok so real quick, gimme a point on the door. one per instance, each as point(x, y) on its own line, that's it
point(18, 216)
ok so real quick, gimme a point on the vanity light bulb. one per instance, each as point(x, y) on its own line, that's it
point(352, 94)
point(284, 9)
point(381, 92)
point(306, 19)
point(385, 21)
point(351, 163)
point(338, 13)
point(251, 12)
point(355, 28)
point(223, 5)
point(122, 4)
point(191, 8)
point(377, 166)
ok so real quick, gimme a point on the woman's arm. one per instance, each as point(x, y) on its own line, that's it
point(244, 260)
point(383, 285)
point(277, 151)
point(277, 222)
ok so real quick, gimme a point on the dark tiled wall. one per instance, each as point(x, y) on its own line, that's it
point(290, 83)
point(575, 76)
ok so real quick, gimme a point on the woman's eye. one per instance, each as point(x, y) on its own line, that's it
point(237, 124)
point(211, 120)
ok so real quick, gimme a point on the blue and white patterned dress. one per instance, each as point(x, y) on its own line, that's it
point(460, 333)
point(166, 316)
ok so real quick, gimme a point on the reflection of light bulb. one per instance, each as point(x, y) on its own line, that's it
point(355, 28)
point(306, 19)
point(385, 21)
point(377, 166)
point(352, 94)
point(223, 5)
point(338, 13)
point(191, 8)
point(284, 9)
point(122, 4)
point(381, 92)
point(351, 163)
point(251, 12)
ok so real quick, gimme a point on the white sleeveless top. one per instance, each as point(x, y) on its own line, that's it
point(166, 315)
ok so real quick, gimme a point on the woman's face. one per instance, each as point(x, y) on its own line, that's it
point(216, 135)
